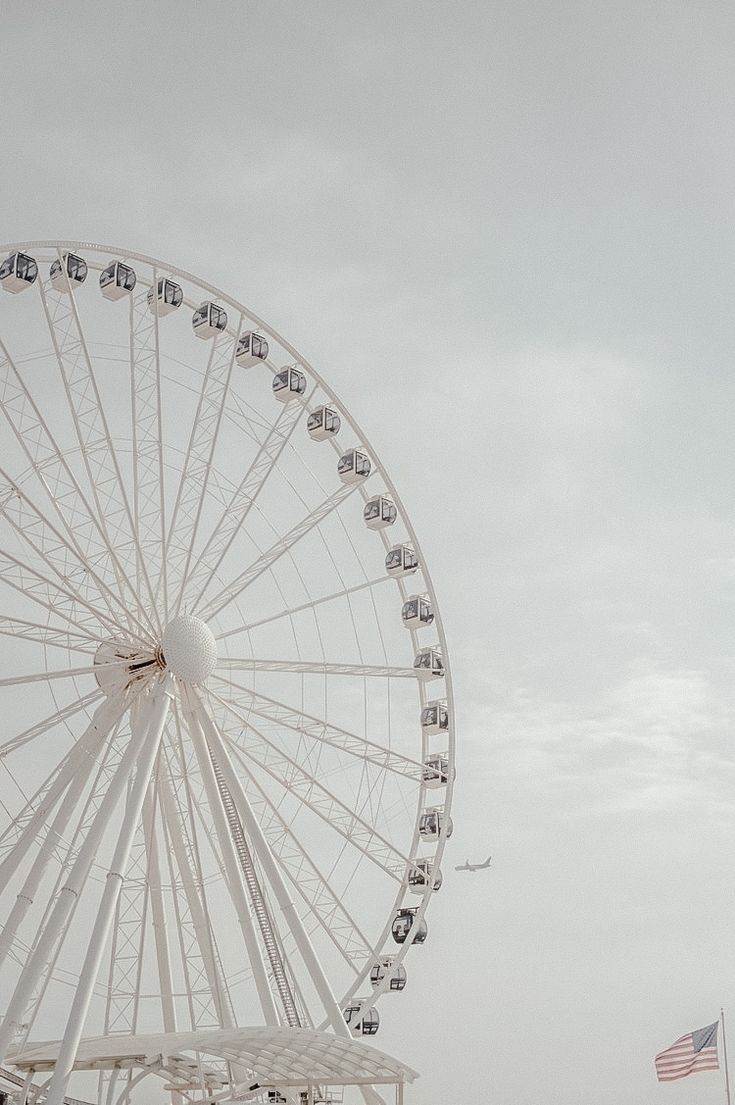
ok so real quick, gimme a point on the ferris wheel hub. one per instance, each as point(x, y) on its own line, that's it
point(189, 648)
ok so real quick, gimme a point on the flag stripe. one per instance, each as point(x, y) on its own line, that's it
point(684, 1059)
point(682, 1062)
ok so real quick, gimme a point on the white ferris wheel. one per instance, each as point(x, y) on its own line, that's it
point(227, 753)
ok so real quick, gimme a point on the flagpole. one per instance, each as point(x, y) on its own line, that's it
point(724, 1055)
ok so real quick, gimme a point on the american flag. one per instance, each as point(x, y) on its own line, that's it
point(695, 1051)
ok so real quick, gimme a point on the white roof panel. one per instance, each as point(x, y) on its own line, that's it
point(275, 1056)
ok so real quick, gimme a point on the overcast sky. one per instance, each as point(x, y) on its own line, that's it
point(513, 223)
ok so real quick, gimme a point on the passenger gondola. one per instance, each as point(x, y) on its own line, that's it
point(68, 273)
point(117, 280)
point(379, 512)
point(208, 320)
point(17, 272)
point(251, 349)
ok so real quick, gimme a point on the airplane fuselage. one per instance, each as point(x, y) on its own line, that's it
point(474, 866)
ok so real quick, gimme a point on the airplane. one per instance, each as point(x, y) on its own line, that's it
point(467, 866)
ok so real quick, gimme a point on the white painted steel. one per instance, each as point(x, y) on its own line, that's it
point(275, 878)
point(147, 752)
point(105, 716)
point(237, 889)
point(189, 648)
point(270, 1052)
point(162, 514)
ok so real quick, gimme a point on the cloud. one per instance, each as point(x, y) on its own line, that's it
point(659, 739)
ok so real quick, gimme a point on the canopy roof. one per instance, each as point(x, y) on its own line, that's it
point(273, 1056)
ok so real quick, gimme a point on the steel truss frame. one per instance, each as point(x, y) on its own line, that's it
point(167, 799)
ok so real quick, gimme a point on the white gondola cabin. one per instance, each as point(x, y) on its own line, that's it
point(379, 512)
point(167, 297)
point(431, 823)
point(423, 874)
point(435, 718)
point(288, 383)
point(385, 967)
point(360, 1020)
point(251, 349)
point(401, 560)
point(429, 664)
point(353, 466)
point(417, 611)
point(68, 273)
point(323, 422)
point(117, 280)
point(17, 272)
point(405, 925)
point(436, 770)
point(208, 320)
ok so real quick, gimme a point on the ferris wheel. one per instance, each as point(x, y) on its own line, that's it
point(227, 757)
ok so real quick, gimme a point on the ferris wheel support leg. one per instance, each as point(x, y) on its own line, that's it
point(43, 951)
point(152, 732)
point(104, 719)
point(277, 882)
point(158, 913)
point(275, 878)
point(26, 1087)
point(193, 714)
point(192, 884)
point(87, 746)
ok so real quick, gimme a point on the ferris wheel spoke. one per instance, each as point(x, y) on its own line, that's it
point(59, 600)
point(57, 718)
point(54, 635)
point(64, 673)
point(198, 461)
point(90, 422)
point(303, 873)
point(204, 570)
point(149, 499)
point(53, 472)
point(290, 775)
point(270, 709)
point(63, 558)
point(266, 560)
point(316, 667)
point(310, 605)
point(249, 421)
